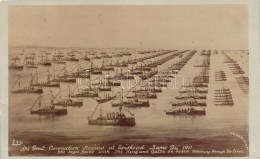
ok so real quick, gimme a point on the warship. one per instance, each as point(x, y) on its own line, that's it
point(48, 83)
point(113, 119)
point(68, 101)
point(186, 111)
point(27, 89)
point(48, 110)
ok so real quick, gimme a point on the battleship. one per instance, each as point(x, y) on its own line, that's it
point(113, 119)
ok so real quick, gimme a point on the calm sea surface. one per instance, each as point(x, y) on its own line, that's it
point(212, 131)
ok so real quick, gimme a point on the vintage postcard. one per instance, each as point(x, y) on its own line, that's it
point(128, 80)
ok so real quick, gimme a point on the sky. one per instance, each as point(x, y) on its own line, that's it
point(155, 27)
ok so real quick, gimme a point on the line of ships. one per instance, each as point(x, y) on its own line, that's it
point(191, 101)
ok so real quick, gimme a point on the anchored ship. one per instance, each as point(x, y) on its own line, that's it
point(48, 110)
point(114, 119)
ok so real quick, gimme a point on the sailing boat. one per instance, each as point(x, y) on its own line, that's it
point(48, 110)
point(14, 64)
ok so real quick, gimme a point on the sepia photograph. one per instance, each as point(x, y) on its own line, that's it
point(128, 80)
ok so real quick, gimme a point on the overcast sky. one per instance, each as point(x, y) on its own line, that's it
point(177, 27)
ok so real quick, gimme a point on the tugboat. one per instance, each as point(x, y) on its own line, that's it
point(28, 89)
point(14, 64)
point(114, 119)
point(48, 110)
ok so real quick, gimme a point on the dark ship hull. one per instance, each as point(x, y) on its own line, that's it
point(132, 104)
point(103, 100)
point(64, 80)
point(38, 91)
point(49, 111)
point(191, 112)
point(69, 103)
point(47, 85)
point(127, 121)
point(16, 67)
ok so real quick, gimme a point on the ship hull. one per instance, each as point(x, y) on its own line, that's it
point(49, 112)
point(113, 122)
